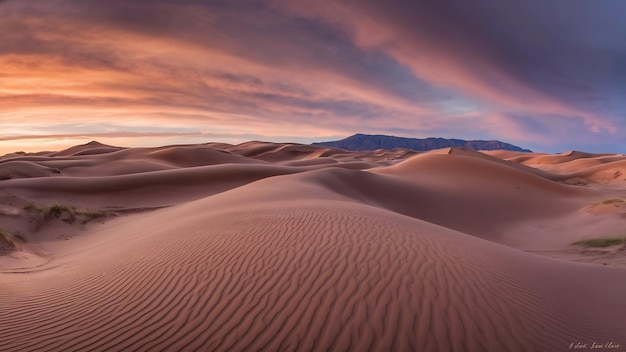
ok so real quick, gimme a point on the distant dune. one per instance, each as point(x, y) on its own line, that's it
point(290, 247)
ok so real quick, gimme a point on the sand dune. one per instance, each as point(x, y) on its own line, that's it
point(147, 189)
point(596, 171)
point(90, 148)
point(551, 159)
point(306, 154)
point(579, 168)
point(264, 246)
point(25, 169)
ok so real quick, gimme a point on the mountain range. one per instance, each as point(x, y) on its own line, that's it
point(363, 142)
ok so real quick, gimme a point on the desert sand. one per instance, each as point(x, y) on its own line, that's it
point(288, 247)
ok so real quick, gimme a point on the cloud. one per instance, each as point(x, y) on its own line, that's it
point(185, 80)
point(109, 135)
point(314, 68)
point(459, 45)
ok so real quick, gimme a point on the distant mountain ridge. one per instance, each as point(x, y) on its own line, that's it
point(363, 142)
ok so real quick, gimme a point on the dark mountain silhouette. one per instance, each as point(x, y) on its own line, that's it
point(362, 142)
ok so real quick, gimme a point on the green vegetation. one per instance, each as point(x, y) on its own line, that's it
point(59, 211)
point(93, 214)
point(9, 242)
point(602, 242)
point(67, 213)
point(53, 211)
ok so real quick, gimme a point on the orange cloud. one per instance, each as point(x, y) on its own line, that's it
point(155, 75)
point(306, 68)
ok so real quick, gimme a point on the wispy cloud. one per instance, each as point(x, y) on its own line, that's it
point(109, 135)
point(314, 68)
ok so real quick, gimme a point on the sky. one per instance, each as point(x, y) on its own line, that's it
point(544, 75)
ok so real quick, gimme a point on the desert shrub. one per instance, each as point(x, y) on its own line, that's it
point(30, 207)
point(67, 213)
point(602, 242)
point(52, 211)
point(9, 242)
point(58, 211)
point(94, 214)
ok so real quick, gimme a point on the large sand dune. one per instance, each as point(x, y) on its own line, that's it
point(286, 247)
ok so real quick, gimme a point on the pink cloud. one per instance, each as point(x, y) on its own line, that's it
point(307, 68)
point(439, 52)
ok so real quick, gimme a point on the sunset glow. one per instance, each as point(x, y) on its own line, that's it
point(547, 76)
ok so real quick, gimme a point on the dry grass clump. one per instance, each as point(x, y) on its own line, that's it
point(602, 242)
point(53, 211)
point(9, 242)
point(67, 213)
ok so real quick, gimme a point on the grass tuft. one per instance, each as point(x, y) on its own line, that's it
point(66, 213)
point(94, 214)
point(9, 242)
point(602, 242)
point(58, 211)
